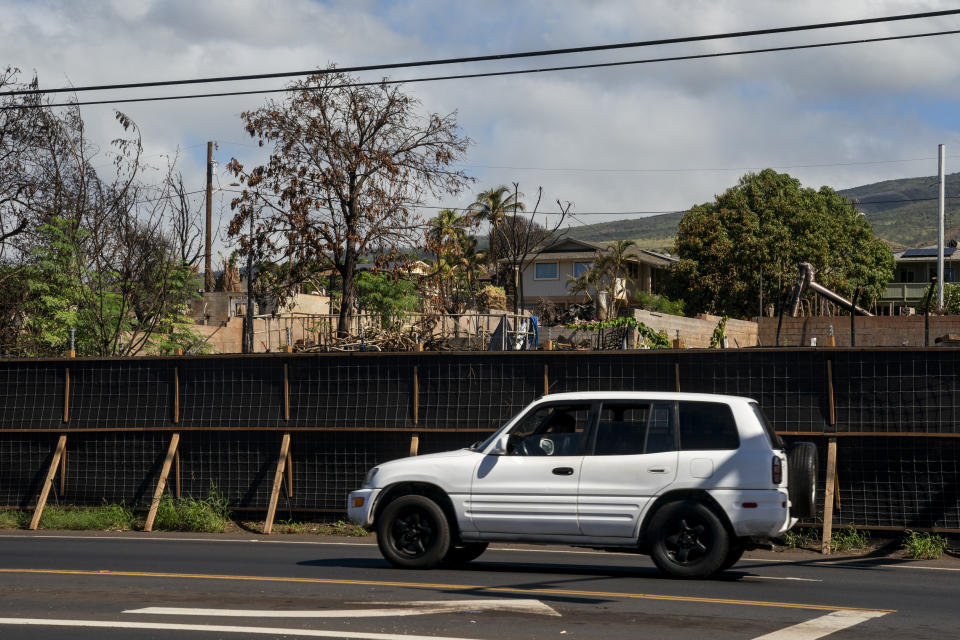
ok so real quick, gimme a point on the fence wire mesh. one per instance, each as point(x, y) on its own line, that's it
point(349, 412)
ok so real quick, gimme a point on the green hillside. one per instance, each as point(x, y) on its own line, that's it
point(654, 232)
point(903, 212)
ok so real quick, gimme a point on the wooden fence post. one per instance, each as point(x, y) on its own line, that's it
point(416, 395)
point(45, 491)
point(833, 413)
point(546, 379)
point(414, 444)
point(828, 496)
point(277, 481)
point(161, 482)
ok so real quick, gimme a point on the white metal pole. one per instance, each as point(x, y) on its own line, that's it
point(942, 155)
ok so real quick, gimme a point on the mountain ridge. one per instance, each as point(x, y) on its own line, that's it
point(903, 213)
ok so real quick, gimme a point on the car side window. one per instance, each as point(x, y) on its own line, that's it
point(554, 430)
point(707, 426)
point(629, 428)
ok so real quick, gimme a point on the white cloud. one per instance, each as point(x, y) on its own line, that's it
point(842, 106)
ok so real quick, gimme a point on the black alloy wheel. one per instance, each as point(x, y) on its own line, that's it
point(413, 533)
point(688, 540)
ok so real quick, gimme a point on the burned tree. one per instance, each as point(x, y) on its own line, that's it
point(349, 162)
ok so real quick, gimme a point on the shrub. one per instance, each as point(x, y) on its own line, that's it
point(923, 545)
point(492, 298)
point(208, 515)
point(802, 538)
point(658, 303)
point(848, 539)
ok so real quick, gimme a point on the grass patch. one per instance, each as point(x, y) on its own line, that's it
point(923, 545)
point(109, 517)
point(849, 539)
point(291, 526)
point(208, 515)
point(342, 528)
point(802, 538)
point(14, 519)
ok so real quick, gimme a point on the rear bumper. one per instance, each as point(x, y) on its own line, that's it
point(758, 513)
point(360, 506)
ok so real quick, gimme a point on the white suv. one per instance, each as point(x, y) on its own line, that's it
point(691, 479)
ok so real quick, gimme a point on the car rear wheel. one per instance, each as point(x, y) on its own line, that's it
point(733, 557)
point(802, 479)
point(413, 533)
point(688, 540)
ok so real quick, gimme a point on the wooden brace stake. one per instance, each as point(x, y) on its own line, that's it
point(546, 379)
point(45, 491)
point(289, 470)
point(828, 496)
point(277, 480)
point(162, 481)
point(414, 444)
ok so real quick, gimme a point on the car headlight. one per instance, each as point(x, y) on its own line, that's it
point(368, 481)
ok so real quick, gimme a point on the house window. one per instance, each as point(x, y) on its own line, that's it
point(579, 268)
point(546, 271)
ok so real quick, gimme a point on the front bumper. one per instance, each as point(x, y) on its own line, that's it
point(360, 505)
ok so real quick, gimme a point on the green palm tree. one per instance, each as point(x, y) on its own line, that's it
point(446, 231)
point(613, 268)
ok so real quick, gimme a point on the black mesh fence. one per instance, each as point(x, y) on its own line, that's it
point(349, 412)
point(892, 481)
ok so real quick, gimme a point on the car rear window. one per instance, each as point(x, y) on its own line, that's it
point(707, 426)
point(775, 440)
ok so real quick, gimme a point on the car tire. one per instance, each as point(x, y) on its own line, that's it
point(802, 479)
point(732, 558)
point(688, 540)
point(461, 554)
point(413, 533)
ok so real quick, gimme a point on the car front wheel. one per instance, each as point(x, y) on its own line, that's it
point(461, 554)
point(688, 540)
point(413, 533)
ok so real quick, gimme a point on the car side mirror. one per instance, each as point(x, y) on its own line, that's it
point(499, 447)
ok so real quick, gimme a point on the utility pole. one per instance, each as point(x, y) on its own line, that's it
point(249, 327)
point(207, 260)
point(940, 224)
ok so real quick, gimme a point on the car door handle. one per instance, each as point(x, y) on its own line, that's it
point(563, 471)
point(658, 470)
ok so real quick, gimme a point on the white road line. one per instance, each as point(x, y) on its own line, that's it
point(780, 578)
point(409, 609)
point(162, 626)
point(822, 626)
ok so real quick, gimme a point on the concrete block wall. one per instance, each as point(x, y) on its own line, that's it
point(695, 333)
point(877, 331)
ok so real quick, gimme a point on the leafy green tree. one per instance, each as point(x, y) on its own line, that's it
point(390, 297)
point(759, 231)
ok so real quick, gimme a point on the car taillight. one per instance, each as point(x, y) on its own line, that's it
point(777, 470)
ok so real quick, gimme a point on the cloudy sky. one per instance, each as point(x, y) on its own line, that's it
point(653, 137)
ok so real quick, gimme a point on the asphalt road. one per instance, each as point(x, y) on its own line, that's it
point(55, 585)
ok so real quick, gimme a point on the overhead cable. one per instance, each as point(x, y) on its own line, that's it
point(499, 56)
point(491, 74)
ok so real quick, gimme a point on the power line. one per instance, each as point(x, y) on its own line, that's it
point(491, 74)
point(697, 169)
point(500, 56)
